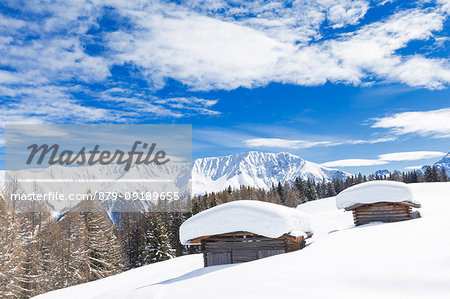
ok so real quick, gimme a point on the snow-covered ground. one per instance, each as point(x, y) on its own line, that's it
point(409, 259)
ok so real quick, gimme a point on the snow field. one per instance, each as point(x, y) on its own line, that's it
point(409, 259)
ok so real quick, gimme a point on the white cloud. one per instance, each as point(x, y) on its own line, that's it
point(49, 71)
point(414, 167)
point(36, 131)
point(435, 123)
point(56, 104)
point(342, 13)
point(205, 45)
point(202, 52)
point(297, 144)
point(197, 105)
point(353, 162)
point(53, 105)
point(370, 141)
point(288, 22)
point(420, 71)
point(386, 159)
point(283, 143)
point(410, 156)
point(142, 102)
point(209, 50)
point(372, 50)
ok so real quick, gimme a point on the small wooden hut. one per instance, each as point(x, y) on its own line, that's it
point(378, 201)
point(244, 231)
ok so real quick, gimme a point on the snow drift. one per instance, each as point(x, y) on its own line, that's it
point(261, 218)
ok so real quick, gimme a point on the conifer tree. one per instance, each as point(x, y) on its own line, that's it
point(330, 190)
point(130, 230)
point(105, 252)
point(196, 208)
point(431, 174)
point(49, 237)
point(30, 262)
point(414, 178)
point(174, 233)
point(156, 246)
point(10, 253)
point(443, 176)
point(75, 251)
point(311, 192)
point(292, 198)
point(159, 243)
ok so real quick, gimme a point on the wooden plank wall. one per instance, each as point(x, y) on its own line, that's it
point(381, 212)
point(217, 258)
point(219, 250)
point(293, 246)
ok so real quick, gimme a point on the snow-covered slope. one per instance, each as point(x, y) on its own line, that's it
point(408, 259)
point(255, 169)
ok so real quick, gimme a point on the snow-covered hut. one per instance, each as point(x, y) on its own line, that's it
point(245, 230)
point(378, 201)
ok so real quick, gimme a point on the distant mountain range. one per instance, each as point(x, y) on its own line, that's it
point(444, 163)
point(382, 172)
point(256, 169)
point(213, 174)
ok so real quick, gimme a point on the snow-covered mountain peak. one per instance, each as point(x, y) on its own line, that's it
point(382, 172)
point(255, 169)
point(444, 160)
point(444, 163)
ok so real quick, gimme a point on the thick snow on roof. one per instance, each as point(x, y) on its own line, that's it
point(262, 218)
point(374, 191)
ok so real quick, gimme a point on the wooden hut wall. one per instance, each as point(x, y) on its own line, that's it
point(381, 212)
point(293, 246)
point(218, 250)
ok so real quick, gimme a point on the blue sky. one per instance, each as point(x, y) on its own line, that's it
point(329, 80)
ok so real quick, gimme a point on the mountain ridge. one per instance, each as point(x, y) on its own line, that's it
point(256, 169)
point(443, 163)
point(214, 174)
